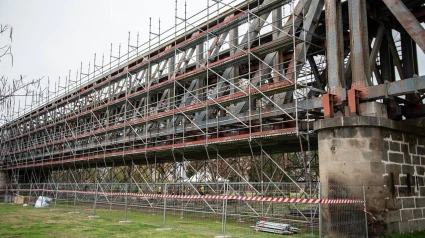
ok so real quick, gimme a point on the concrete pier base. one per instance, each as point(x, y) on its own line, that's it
point(3, 182)
point(163, 229)
point(3, 179)
point(386, 156)
point(73, 212)
point(94, 217)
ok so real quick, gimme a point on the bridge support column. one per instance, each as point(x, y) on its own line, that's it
point(4, 179)
point(386, 156)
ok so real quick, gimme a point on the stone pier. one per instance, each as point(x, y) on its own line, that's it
point(3, 181)
point(386, 156)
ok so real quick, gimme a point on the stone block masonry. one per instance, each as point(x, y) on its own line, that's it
point(3, 183)
point(404, 176)
point(386, 156)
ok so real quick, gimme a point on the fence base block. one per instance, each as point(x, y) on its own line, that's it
point(163, 229)
point(94, 217)
point(125, 222)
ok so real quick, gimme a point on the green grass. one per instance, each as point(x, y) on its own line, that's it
point(19, 221)
point(417, 234)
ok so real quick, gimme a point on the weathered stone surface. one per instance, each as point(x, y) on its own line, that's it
point(407, 169)
point(416, 160)
point(404, 148)
point(393, 168)
point(385, 144)
point(393, 216)
point(423, 160)
point(405, 151)
point(384, 156)
point(410, 139)
point(406, 214)
point(417, 213)
point(377, 144)
point(393, 227)
point(421, 141)
point(422, 191)
point(394, 204)
point(420, 202)
point(395, 157)
point(415, 193)
point(397, 136)
point(394, 127)
point(421, 224)
point(395, 146)
point(420, 150)
point(346, 132)
point(370, 132)
point(420, 180)
point(377, 167)
point(408, 203)
point(373, 109)
point(326, 135)
point(412, 148)
point(404, 226)
point(371, 155)
point(420, 170)
point(414, 225)
point(403, 180)
point(404, 191)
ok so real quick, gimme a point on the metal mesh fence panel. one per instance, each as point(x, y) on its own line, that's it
point(222, 208)
point(343, 220)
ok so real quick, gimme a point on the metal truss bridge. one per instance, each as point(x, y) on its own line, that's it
point(236, 79)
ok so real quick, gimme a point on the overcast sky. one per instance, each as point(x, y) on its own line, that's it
point(51, 37)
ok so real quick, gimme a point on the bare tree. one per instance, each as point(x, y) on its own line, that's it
point(11, 88)
point(6, 49)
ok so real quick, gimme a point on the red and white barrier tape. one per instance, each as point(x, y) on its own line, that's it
point(365, 211)
point(208, 197)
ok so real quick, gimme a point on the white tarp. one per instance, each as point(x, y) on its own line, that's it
point(43, 202)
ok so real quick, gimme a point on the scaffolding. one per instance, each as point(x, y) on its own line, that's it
point(224, 101)
point(228, 94)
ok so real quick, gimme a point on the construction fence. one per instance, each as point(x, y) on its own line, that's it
point(222, 208)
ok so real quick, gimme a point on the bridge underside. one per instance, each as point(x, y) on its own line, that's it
point(233, 148)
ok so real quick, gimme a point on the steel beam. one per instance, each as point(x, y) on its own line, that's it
point(335, 49)
point(397, 88)
point(408, 21)
point(359, 43)
point(375, 49)
point(386, 62)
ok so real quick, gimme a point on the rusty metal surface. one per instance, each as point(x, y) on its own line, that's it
point(353, 101)
point(359, 43)
point(334, 38)
point(376, 46)
point(397, 88)
point(408, 21)
point(328, 105)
